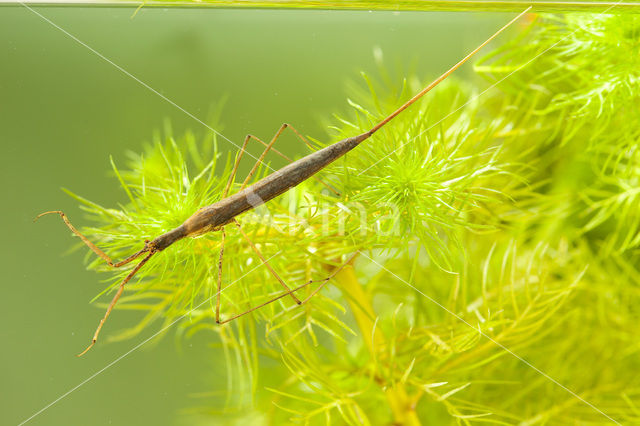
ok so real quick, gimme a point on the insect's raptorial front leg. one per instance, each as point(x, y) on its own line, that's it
point(92, 246)
point(265, 261)
point(323, 281)
point(148, 248)
point(115, 300)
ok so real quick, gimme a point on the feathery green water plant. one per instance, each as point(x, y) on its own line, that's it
point(587, 80)
point(434, 180)
point(493, 236)
point(304, 230)
point(588, 70)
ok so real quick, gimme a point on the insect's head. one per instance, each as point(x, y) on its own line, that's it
point(165, 240)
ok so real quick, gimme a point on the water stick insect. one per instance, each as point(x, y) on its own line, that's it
point(216, 216)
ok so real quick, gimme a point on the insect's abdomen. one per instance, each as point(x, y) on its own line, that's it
point(212, 217)
point(293, 174)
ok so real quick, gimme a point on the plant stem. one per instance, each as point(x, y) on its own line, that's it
point(402, 406)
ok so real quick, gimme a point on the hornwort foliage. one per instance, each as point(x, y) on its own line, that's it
point(517, 213)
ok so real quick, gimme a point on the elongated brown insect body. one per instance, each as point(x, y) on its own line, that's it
point(215, 216)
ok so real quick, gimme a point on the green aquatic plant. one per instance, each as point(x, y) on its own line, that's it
point(587, 71)
point(586, 84)
point(497, 276)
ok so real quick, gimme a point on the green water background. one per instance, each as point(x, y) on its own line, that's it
point(64, 110)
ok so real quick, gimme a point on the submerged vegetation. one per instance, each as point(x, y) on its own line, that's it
point(497, 279)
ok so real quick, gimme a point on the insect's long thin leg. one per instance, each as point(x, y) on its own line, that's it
point(264, 153)
point(92, 246)
point(323, 281)
point(255, 249)
point(333, 274)
point(268, 147)
point(220, 275)
point(306, 142)
point(115, 300)
point(265, 261)
point(236, 164)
